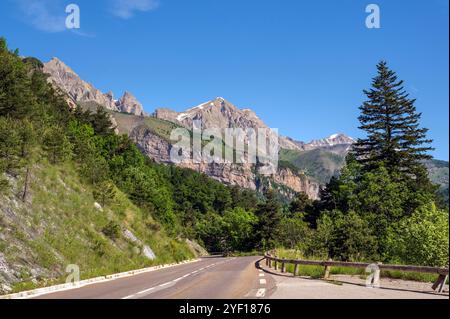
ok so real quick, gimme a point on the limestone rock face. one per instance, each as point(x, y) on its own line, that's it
point(242, 175)
point(78, 90)
point(129, 104)
point(151, 144)
point(159, 149)
point(229, 174)
point(298, 183)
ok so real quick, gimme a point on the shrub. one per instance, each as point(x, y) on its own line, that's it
point(422, 239)
point(112, 230)
point(346, 236)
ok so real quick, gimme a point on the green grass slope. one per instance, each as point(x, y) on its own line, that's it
point(319, 164)
point(59, 224)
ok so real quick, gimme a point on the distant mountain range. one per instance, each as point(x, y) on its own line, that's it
point(303, 166)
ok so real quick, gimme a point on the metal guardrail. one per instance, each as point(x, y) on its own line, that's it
point(274, 261)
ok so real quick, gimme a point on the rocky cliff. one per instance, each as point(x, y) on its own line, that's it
point(158, 147)
point(80, 91)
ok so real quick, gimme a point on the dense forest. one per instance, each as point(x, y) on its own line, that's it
point(381, 207)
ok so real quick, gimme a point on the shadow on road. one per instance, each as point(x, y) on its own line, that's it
point(213, 256)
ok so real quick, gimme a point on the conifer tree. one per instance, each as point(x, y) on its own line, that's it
point(57, 145)
point(391, 121)
point(105, 192)
point(16, 98)
point(269, 215)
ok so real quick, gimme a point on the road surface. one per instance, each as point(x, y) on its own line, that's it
point(227, 278)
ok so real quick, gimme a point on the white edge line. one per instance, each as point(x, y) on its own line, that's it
point(69, 286)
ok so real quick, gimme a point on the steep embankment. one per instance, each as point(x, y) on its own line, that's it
point(59, 223)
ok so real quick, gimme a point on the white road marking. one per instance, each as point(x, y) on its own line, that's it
point(135, 295)
point(261, 293)
point(262, 281)
point(261, 275)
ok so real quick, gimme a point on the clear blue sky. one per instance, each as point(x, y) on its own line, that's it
point(301, 65)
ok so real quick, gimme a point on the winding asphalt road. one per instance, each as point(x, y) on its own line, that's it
point(236, 278)
point(209, 278)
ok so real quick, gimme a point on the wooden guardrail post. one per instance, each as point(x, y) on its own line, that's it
point(326, 274)
point(440, 282)
point(283, 267)
point(295, 269)
point(276, 264)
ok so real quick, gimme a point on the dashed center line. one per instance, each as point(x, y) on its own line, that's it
point(143, 292)
point(261, 275)
point(261, 293)
point(262, 281)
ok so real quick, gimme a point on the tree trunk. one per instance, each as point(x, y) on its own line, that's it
point(25, 187)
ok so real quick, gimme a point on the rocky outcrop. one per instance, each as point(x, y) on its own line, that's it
point(78, 90)
point(296, 182)
point(151, 144)
point(159, 149)
point(128, 104)
point(230, 174)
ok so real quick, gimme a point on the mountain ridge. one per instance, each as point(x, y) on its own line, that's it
point(79, 90)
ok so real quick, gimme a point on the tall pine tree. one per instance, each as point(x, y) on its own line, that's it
point(394, 136)
point(269, 216)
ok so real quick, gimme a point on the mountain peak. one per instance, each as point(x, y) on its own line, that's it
point(332, 140)
point(56, 65)
point(55, 60)
point(129, 104)
point(78, 90)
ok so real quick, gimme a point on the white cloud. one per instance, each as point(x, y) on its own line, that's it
point(126, 9)
point(44, 15)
